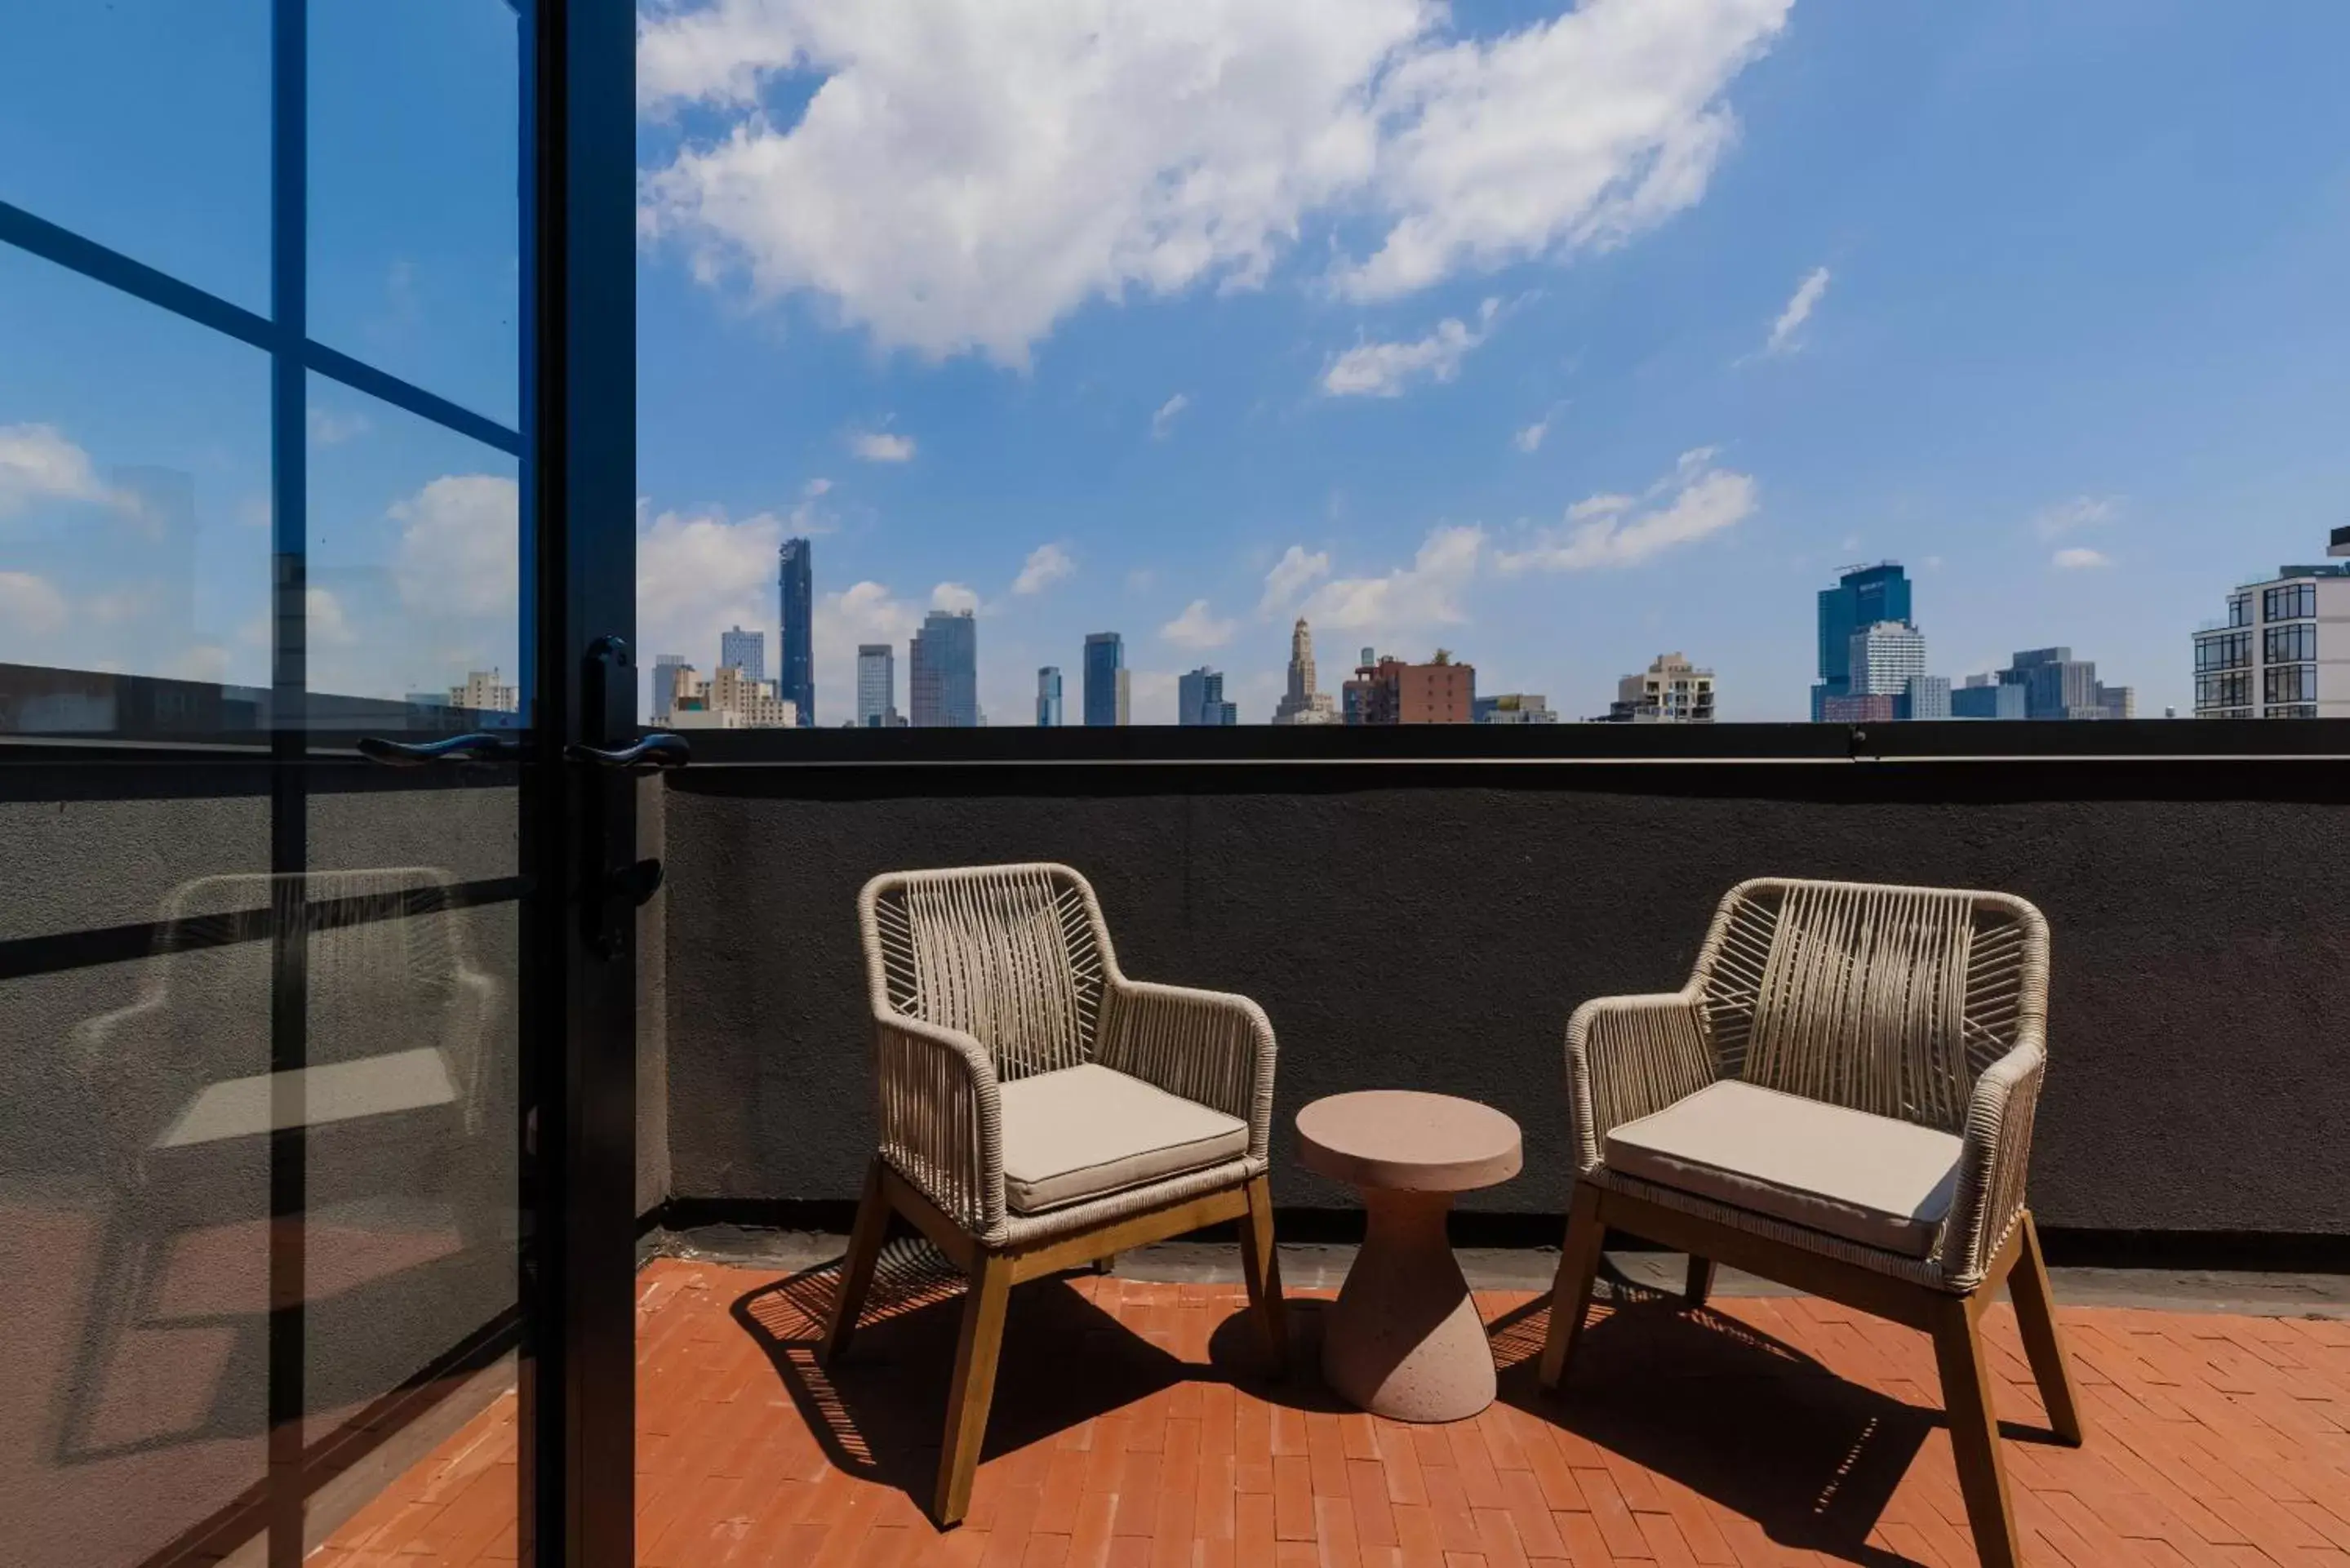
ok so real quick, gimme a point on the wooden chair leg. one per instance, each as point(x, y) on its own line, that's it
point(856, 1268)
point(1699, 1284)
point(2035, 1320)
point(1570, 1294)
point(974, 1389)
point(1261, 1267)
point(1974, 1431)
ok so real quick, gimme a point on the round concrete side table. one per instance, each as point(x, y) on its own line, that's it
point(1404, 1339)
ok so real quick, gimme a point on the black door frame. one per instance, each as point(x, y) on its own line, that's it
point(579, 417)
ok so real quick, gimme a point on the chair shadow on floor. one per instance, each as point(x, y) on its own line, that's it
point(879, 1412)
point(1730, 1412)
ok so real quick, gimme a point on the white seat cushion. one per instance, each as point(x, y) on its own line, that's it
point(1083, 1132)
point(1866, 1178)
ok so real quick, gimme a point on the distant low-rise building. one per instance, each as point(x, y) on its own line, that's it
point(1671, 690)
point(1513, 708)
point(1861, 708)
point(1927, 697)
point(2284, 650)
point(1386, 690)
point(485, 693)
point(728, 700)
point(1986, 697)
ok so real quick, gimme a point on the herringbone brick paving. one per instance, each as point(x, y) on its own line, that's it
point(1133, 1427)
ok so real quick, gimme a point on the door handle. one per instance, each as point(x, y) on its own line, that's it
point(656, 751)
point(478, 747)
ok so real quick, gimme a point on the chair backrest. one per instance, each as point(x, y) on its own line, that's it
point(1883, 999)
point(385, 955)
point(1015, 956)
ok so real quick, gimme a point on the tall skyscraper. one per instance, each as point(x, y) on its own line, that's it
point(876, 686)
point(1200, 698)
point(2282, 652)
point(1304, 703)
point(1863, 597)
point(745, 651)
point(665, 669)
point(796, 676)
point(1105, 680)
point(1048, 697)
point(942, 672)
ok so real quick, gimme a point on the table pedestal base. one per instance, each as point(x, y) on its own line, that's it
point(1403, 1339)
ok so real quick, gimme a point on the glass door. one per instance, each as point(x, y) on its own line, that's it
point(292, 934)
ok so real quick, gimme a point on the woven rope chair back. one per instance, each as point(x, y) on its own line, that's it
point(1012, 955)
point(1882, 999)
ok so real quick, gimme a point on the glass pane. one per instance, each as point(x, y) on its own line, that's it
point(134, 514)
point(144, 125)
point(415, 261)
point(134, 1227)
point(415, 568)
point(410, 1287)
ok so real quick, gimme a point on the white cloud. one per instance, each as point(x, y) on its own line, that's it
point(1426, 593)
point(30, 607)
point(955, 597)
point(1196, 627)
point(1162, 423)
point(1384, 369)
point(37, 463)
point(326, 623)
point(1695, 502)
point(1798, 310)
point(329, 428)
point(816, 487)
point(1529, 438)
point(1047, 564)
point(1289, 577)
point(2076, 558)
point(459, 550)
point(960, 175)
point(2070, 516)
point(881, 446)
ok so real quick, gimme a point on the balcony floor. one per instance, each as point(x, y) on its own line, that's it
point(1132, 1426)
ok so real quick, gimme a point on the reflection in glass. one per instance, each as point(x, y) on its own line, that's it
point(134, 514)
point(144, 125)
point(414, 258)
point(414, 572)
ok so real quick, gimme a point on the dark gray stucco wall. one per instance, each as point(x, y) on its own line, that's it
point(1437, 936)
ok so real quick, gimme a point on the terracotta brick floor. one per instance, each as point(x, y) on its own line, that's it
point(1132, 1426)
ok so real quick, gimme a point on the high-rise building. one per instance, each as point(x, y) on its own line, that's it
point(796, 584)
point(1389, 691)
point(729, 699)
point(665, 669)
point(943, 671)
point(1200, 698)
point(1884, 659)
point(2284, 652)
point(1927, 697)
point(745, 651)
point(876, 686)
point(1108, 682)
point(1303, 702)
point(1048, 697)
point(1863, 596)
point(484, 692)
point(1986, 697)
point(2047, 683)
point(1671, 690)
point(1513, 708)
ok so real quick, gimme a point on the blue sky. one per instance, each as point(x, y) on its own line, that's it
point(1558, 339)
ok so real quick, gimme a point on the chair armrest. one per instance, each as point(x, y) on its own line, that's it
point(941, 1125)
point(1207, 1046)
point(1996, 1150)
point(1630, 1056)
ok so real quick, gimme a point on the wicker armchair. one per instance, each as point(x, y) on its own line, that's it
point(1039, 1110)
point(1841, 1098)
